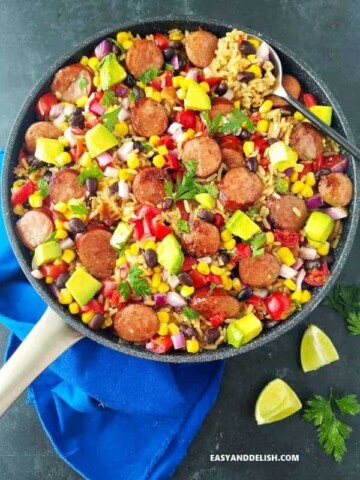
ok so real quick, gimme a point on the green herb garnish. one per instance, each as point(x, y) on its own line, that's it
point(79, 209)
point(168, 66)
point(345, 299)
point(51, 237)
point(111, 119)
point(281, 185)
point(82, 83)
point(213, 126)
point(253, 211)
point(233, 123)
point(43, 187)
point(149, 75)
point(256, 243)
point(132, 96)
point(92, 172)
point(115, 42)
point(32, 169)
point(190, 313)
point(108, 98)
point(212, 288)
point(138, 285)
point(183, 226)
point(146, 146)
point(124, 290)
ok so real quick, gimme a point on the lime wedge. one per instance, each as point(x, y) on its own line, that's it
point(317, 350)
point(276, 402)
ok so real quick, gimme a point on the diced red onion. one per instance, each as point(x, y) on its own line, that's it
point(177, 135)
point(289, 171)
point(70, 137)
point(229, 95)
point(103, 49)
point(160, 299)
point(261, 292)
point(121, 91)
point(192, 73)
point(336, 213)
point(111, 172)
point(287, 272)
point(173, 281)
point(307, 253)
point(174, 62)
point(315, 201)
point(104, 159)
point(123, 115)
point(66, 244)
point(300, 279)
point(96, 108)
point(124, 150)
point(164, 275)
point(54, 290)
point(205, 259)
point(262, 53)
point(174, 127)
point(341, 166)
point(175, 300)
point(37, 274)
point(123, 189)
point(125, 103)
point(298, 264)
point(178, 340)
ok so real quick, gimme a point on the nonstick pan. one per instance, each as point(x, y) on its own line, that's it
point(57, 330)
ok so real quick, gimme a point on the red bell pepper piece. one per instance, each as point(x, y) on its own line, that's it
point(230, 141)
point(217, 320)
point(167, 141)
point(277, 305)
point(116, 299)
point(159, 229)
point(167, 76)
point(309, 100)
point(318, 276)
point(93, 306)
point(54, 271)
point(255, 117)
point(242, 250)
point(254, 300)
point(288, 239)
point(160, 344)
point(260, 143)
point(161, 41)
point(187, 118)
point(171, 161)
point(22, 194)
point(138, 232)
point(156, 83)
point(78, 150)
point(212, 278)
point(308, 167)
point(212, 82)
point(198, 279)
point(109, 286)
point(189, 262)
point(44, 104)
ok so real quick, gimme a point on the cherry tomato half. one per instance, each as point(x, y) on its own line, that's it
point(187, 118)
point(288, 239)
point(54, 271)
point(242, 250)
point(44, 104)
point(161, 41)
point(318, 276)
point(277, 305)
point(160, 344)
point(23, 193)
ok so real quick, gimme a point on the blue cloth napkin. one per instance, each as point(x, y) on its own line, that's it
point(108, 415)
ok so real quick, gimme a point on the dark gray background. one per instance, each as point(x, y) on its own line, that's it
point(326, 34)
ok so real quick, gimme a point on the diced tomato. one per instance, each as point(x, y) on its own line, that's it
point(171, 161)
point(161, 41)
point(138, 232)
point(116, 299)
point(189, 262)
point(167, 76)
point(78, 150)
point(159, 229)
point(156, 83)
point(307, 168)
point(187, 118)
point(288, 239)
point(242, 250)
point(93, 306)
point(254, 300)
point(198, 279)
point(109, 286)
point(255, 117)
point(217, 320)
point(318, 276)
point(218, 220)
point(212, 278)
point(44, 104)
point(54, 271)
point(23, 193)
point(212, 82)
point(260, 144)
point(167, 141)
point(328, 162)
point(199, 125)
point(317, 163)
point(147, 211)
point(278, 305)
point(160, 344)
point(264, 162)
point(230, 141)
point(309, 100)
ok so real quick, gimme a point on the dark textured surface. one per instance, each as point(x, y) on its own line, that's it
point(30, 33)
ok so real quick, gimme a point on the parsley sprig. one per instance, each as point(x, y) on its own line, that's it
point(281, 185)
point(139, 286)
point(230, 124)
point(345, 299)
point(108, 98)
point(111, 119)
point(43, 187)
point(79, 209)
point(190, 313)
point(183, 226)
point(256, 243)
point(91, 172)
point(149, 75)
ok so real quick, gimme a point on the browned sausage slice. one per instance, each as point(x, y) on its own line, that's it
point(214, 303)
point(149, 185)
point(34, 227)
point(200, 47)
point(67, 84)
point(37, 130)
point(288, 212)
point(148, 117)
point(96, 253)
point(240, 188)
point(142, 55)
point(233, 157)
point(306, 140)
point(64, 186)
point(292, 86)
point(203, 239)
point(220, 105)
point(136, 323)
point(259, 272)
point(206, 152)
point(336, 189)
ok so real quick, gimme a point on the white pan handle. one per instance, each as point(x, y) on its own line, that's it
point(50, 337)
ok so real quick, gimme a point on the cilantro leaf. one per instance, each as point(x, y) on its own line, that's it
point(124, 290)
point(132, 96)
point(187, 187)
point(214, 125)
point(79, 209)
point(212, 288)
point(91, 172)
point(183, 226)
point(256, 243)
point(233, 122)
point(353, 323)
point(168, 66)
point(146, 146)
point(190, 313)
point(108, 98)
point(32, 169)
point(117, 44)
point(348, 405)
point(51, 237)
point(281, 185)
point(43, 187)
point(139, 286)
point(82, 83)
point(111, 119)
point(254, 210)
point(148, 75)
point(344, 299)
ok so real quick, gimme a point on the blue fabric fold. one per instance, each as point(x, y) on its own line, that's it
point(108, 415)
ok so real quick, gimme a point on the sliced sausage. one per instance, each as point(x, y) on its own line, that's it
point(220, 105)
point(34, 227)
point(203, 239)
point(148, 117)
point(142, 55)
point(96, 253)
point(214, 303)
point(292, 86)
point(136, 323)
point(37, 130)
point(149, 185)
point(259, 272)
point(240, 188)
point(200, 47)
point(288, 212)
point(206, 152)
point(64, 186)
point(233, 156)
point(306, 140)
point(336, 189)
point(68, 84)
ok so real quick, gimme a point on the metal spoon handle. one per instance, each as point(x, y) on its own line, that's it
point(321, 125)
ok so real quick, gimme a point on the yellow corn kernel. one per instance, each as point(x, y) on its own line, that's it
point(156, 96)
point(134, 249)
point(249, 148)
point(82, 101)
point(163, 316)
point(216, 270)
point(162, 150)
point(299, 167)
point(63, 159)
point(176, 35)
point(230, 244)
point(269, 237)
point(225, 235)
point(60, 234)
point(84, 60)
point(159, 161)
point(307, 191)
point(68, 255)
point(108, 322)
point(286, 256)
point(299, 116)
point(65, 297)
point(156, 280)
point(49, 280)
point(203, 268)
point(121, 129)
point(63, 126)
point(266, 106)
point(133, 161)
point(236, 285)
point(262, 126)
point(157, 269)
point(19, 209)
point(176, 81)
point(64, 141)
point(74, 308)
point(121, 261)
point(290, 284)
point(17, 184)
point(87, 316)
point(205, 86)
point(254, 41)
point(173, 328)
point(186, 291)
point(125, 174)
point(294, 177)
point(57, 261)
point(148, 91)
point(60, 207)
point(85, 160)
point(154, 140)
point(237, 104)
point(297, 186)
point(305, 296)
point(35, 200)
point(163, 287)
point(127, 44)
point(150, 245)
point(163, 329)
point(181, 93)
point(296, 296)
point(96, 81)
point(192, 346)
point(255, 69)
point(227, 282)
point(190, 133)
point(93, 63)
point(121, 37)
point(323, 249)
point(251, 57)
point(310, 179)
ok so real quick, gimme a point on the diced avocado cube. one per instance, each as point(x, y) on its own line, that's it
point(319, 227)
point(324, 112)
point(48, 149)
point(234, 336)
point(282, 156)
point(121, 234)
point(242, 226)
point(170, 255)
point(196, 98)
point(82, 286)
point(243, 330)
point(46, 253)
point(111, 72)
point(99, 139)
point(205, 200)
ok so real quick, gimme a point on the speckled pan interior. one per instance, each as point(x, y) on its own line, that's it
point(292, 64)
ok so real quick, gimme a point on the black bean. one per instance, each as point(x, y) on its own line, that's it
point(252, 164)
point(188, 331)
point(182, 59)
point(247, 48)
point(224, 258)
point(221, 89)
point(176, 44)
point(328, 259)
point(97, 321)
point(245, 76)
point(310, 264)
point(270, 324)
point(76, 225)
point(77, 119)
point(47, 176)
point(168, 53)
point(35, 162)
point(151, 258)
point(138, 146)
point(91, 186)
point(166, 203)
point(245, 293)
point(244, 134)
point(130, 80)
point(211, 335)
point(61, 280)
point(205, 215)
point(322, 172)
point(77, 111)
point(139, 92)
point(185, 279)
